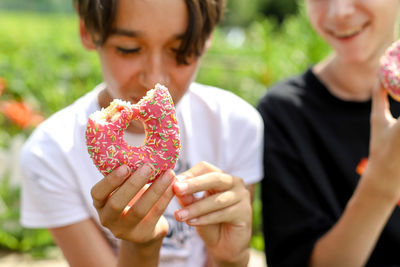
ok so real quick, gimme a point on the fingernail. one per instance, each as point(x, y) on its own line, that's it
point(122, 171)
point(168, 175)
point(181, 177)
point(193, 221)
point(147, 169)
point(182, 214)
point(182, 187)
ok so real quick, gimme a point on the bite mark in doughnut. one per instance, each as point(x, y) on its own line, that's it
point(105, 131)
point(389, 70)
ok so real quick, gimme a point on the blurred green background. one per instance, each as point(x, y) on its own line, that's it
point(44, 66)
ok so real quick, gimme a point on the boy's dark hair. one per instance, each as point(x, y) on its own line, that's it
point(204, 15)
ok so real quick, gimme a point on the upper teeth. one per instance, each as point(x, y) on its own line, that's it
point(348, 32)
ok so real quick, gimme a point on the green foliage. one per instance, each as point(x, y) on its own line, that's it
point(12, 235)
point(266, 55)
point(44, 63)
point(238, 12)
point(241, 13)
point(38, 5)
point(280, 9)
point(42, 58)
point(257, 240)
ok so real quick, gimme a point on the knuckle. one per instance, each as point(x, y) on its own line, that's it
point(111, 181)
point(157, 209)
point(204, 165)
point(158, 191)
point(138, 213)
point(132, 182)
point(186, 175)
point(225, 179)
point(238, 181)
point(114, 205)
point(95, 194)
point(118, 234)
point(104, 222)
point(224, 198)
point(219, 201)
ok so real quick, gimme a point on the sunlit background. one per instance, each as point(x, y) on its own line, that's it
point(43, 68)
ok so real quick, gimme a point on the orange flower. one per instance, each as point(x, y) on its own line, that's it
point(361, 166)
point(20, 114)
point(3, 85)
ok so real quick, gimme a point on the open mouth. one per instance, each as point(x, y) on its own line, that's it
point(350, 32)
point(112, 112)
point(134, 100)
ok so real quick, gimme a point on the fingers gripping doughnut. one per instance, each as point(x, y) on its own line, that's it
point(105, 131)
point(389, 70)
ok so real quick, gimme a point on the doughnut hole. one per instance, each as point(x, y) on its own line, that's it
point(134, 139)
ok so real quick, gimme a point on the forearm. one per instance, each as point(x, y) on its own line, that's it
point(83, 244)
point(353, 238)
point(240, 261)
point(147, 254)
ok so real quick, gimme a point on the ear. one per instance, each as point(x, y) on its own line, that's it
point(86, 37)
point(208, 43)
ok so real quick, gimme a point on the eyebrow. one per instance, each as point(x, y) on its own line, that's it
point(133, 34)
point(125, 32)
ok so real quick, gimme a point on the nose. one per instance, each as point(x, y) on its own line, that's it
point(341, 8)
point(154, 70)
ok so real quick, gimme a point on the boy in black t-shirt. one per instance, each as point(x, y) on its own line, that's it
point(323, 205)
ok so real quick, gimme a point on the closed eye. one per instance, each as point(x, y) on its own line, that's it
point(174, 51)
point(128, 51)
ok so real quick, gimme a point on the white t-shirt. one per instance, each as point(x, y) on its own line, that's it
point(216, 126)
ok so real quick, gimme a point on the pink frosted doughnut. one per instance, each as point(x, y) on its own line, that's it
point(105, 131)
point(389, 73)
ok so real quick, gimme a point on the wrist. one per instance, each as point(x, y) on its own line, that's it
point(378, 189)
point(147, 253)
point(358, 228)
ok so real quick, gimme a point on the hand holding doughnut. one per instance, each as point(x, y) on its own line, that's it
point(105, 131)
point(389, 70)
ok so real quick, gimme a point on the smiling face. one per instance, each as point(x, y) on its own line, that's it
point(357, 30)
point(141, 50)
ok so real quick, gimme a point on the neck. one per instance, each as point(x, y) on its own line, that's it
point(347, 81)
point(352, 81)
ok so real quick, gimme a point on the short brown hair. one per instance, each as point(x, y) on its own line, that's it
point(204, 15)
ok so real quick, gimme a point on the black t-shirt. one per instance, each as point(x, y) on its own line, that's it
point(314, 143)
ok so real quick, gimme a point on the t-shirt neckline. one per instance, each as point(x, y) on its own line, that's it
point(321, 89)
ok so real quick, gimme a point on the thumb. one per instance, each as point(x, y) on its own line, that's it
point(380, 112)
point(380, 101)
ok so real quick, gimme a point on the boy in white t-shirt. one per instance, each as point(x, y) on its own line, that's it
point(141, 43)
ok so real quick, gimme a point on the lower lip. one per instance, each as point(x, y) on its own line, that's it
point(351, 37)
point(133, 100)
point(348, 38)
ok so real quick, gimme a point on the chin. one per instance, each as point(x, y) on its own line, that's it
point(354, 56)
